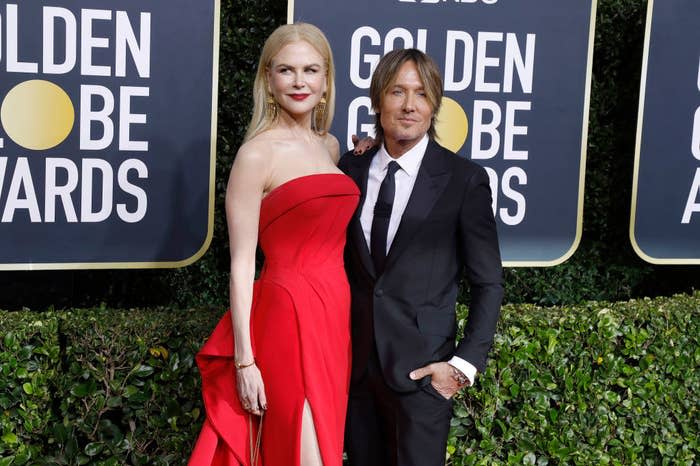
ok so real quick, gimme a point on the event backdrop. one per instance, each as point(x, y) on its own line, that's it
point(517, 79)
point(665, 219)
point(107, 144)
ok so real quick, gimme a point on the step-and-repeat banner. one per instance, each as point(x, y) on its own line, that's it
point(665, 220)
point(517, 79)
point(107, 132)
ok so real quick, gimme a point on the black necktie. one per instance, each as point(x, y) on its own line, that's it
point(382, 214)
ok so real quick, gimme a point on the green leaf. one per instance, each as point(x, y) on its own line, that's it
point(84, 389)
point(28, 388)
point(10, 438)
point(9, 340)
point(143, 370)
point(93, 448)
point(22, 458)
point(114, 402)
point(130, 391)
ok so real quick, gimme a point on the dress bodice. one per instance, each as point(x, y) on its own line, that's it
point(303, 221)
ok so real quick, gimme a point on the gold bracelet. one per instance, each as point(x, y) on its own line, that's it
point(243, 366)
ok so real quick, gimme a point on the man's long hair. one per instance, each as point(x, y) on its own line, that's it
point(385, 75)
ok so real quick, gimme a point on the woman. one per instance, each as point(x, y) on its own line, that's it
point(284, 348)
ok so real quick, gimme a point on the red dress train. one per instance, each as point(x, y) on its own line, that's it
point(300, 327)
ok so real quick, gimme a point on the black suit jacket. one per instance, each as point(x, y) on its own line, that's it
point(408, 312)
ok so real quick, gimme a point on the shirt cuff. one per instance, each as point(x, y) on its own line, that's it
point(465, 367)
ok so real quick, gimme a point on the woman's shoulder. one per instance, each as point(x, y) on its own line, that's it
point(333, 146)
point(254, 154)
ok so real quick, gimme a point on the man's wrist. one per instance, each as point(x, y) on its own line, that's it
point(459, 376)
point(465, 367)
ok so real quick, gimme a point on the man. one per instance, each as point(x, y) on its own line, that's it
point(424, 216)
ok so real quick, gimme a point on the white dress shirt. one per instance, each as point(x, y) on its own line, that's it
point(404, 178)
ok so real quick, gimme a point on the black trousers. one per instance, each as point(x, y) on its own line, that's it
point(388, 428)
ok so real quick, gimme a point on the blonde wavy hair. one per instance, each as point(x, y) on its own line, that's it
point(280, 37)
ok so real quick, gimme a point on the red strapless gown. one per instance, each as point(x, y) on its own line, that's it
point(300, 327)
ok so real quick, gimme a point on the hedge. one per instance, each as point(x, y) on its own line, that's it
point(29, 362)
point(599, 383)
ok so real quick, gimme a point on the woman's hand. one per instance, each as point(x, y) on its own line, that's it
point(362, 145)
point(251, 390)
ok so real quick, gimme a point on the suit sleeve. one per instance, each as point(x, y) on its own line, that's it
point(482, 261)
point(344, 161)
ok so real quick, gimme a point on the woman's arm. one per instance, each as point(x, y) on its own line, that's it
point(246, 186)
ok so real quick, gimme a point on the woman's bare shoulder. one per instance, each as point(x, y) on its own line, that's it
point(254, 154)
point(333, 146)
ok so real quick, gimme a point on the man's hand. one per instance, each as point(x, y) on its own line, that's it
point(361, 146)
point(442, 378)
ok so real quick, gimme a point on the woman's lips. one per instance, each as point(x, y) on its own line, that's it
point(299, 96)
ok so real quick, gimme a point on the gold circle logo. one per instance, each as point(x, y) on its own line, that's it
point(451, 125)
point(37, 114)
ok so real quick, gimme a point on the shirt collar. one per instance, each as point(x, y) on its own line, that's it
point(409, 162)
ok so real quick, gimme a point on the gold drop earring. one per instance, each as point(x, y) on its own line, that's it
point(320, 113)
point(271, 108)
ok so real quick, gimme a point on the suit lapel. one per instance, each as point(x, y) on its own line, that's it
point(433, 176)
point(359, 171)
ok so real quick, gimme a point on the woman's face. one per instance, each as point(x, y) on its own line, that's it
point(297, 78)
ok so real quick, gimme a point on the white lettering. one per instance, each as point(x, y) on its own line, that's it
point(483, 61)
point(22, 178)
point(138, 193)
point(511, 130)
point(692, 205)
point(89, 42)
point(407, 39)
point(695, 145)
point(49, 64)
point(126, 118)
point(493, 184)
point(140, 51)
point(3, 167)
point(450, 51)
point(88, 115)
point(52, 190)
point(398, 33)
point(353, 111)
point(370, 58)
point(87, 187)
point(13, 63)
point(514, 59)
point(510, 193)
point(480, 127)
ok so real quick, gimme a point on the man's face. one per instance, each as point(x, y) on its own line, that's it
point(405, 112)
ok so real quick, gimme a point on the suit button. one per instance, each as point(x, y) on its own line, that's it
point(379, 293)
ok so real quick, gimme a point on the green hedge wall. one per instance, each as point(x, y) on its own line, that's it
point(599, 383)
point(29, 363)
